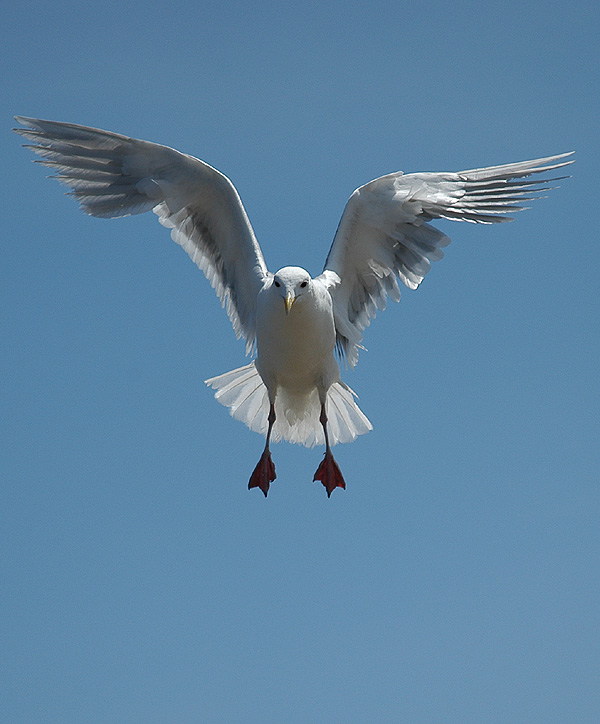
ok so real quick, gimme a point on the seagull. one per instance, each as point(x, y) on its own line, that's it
point(295, 325)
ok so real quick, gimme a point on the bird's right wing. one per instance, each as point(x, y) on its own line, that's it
point(113, 175)
point(384, 236)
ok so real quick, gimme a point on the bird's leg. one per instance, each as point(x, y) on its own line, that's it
point(328, 471)
point(264, 472)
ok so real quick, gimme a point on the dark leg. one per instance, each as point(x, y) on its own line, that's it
point(264, 472)
point(328, 471)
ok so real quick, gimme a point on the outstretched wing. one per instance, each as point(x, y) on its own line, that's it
point(113, 175)
point(384, 236)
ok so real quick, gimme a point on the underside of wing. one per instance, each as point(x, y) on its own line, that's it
point(384, 235)
point(112, 175)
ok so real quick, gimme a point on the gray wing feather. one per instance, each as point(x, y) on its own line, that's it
point(383, 235)
point(112, 175)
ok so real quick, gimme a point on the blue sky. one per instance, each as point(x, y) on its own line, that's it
point(456, 579)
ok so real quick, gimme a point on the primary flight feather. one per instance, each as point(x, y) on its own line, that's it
point(292, 390)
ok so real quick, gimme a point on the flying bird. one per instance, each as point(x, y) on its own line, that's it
point(292, 322)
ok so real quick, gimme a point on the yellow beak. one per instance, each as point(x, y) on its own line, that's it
point(289, 301)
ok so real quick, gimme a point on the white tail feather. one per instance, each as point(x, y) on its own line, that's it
point(297, 416)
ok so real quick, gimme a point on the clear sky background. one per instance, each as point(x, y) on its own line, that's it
point(455, 581)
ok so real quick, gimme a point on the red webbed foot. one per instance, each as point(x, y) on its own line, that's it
point(264, 473)
point(330, 474)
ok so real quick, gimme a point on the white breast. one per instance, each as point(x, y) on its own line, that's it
point(295, 350)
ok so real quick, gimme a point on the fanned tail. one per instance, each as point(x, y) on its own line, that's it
point(244, 393)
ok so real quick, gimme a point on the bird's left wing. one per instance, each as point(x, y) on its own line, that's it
point(113, 175)
point(384, 236)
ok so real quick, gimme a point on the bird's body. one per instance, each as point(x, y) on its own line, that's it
point(300, 341)
point(292, 390)
point(295, 374)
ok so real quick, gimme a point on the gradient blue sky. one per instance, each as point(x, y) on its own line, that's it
point(456, 580)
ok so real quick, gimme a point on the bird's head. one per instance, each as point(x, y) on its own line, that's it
point(290, 283)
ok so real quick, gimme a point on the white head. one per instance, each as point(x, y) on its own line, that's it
point(290, 283)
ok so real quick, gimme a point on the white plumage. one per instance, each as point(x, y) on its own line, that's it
point(292, 390)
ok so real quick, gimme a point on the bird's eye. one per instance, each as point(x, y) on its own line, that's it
point(304, 284)
point(277, 284)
